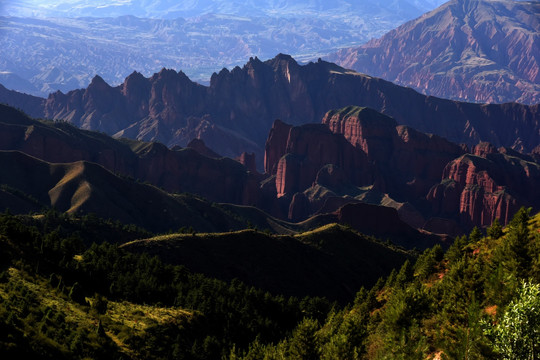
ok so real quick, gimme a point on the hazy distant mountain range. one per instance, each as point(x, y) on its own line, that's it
point(472, 50)
point(52, 45)
point(166, 9)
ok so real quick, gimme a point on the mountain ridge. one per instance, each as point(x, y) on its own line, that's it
point(164, 9)
point(176, 170)
point(356, 155)
point(473, 50)
point(83, 187)
point(293, 265)
point(240, 105)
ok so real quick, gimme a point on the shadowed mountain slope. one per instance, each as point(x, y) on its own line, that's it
point(179, 170)
point(29, 184)
point(308, 263)
point(356, 155)
point(32, 105)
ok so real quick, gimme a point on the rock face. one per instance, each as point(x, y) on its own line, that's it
point(249, 161)
point(408, 162)
point(276, 146)
point(309, 148)
point(471, 50)
point(359, 155)
point(235, 112)
point(356, 155)
point(478, 188)
point(353, 148)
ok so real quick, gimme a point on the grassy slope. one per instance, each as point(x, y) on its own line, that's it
point(120, 322)
point(47, 269)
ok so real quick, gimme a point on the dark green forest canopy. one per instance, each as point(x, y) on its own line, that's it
point(479, 299)
point(464, 302)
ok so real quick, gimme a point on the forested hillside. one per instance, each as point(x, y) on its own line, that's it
point(478, 300)
point(65, 296)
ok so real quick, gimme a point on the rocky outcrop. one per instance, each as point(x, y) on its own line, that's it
point(354, 147)
point(356, 156)
point(364, 128)
point(477, 189)
point(311, 147)
point(299, 207)
point(276, 146)
point(249, 161)
point(236, 111)
point(408, 162)
point(333, 177)
point(360, 155)
point(471, 50)
point(483, 149)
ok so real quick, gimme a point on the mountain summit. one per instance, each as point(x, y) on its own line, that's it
point(472, 50)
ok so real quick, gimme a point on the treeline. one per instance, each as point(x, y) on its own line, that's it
point(55, 247)
point(479, 300)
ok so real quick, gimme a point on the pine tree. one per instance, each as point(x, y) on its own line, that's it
point(304, 343)
point(495, 230)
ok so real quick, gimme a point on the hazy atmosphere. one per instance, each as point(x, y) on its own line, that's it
point(61, 45)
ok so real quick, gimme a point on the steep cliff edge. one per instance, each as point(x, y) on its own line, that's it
point(360, 155)
point(476, 189)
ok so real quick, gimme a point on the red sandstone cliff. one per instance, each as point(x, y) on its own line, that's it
point(409, 162)
point(357, 155)
point(354, 147)
point(478, 188)
point(276, 146)
point(360, 155)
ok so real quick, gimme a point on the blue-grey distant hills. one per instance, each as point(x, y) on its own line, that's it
point(167, 9)
point(52, 45)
